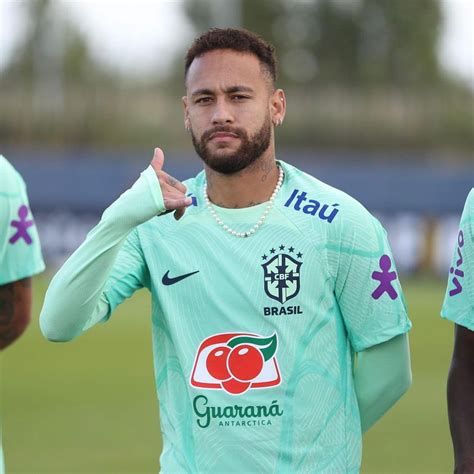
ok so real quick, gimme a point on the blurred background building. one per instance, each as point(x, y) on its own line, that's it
point(380, 105)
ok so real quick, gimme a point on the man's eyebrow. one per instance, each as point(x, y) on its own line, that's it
point(202, 92)
point(233, 89)
point(229, 90)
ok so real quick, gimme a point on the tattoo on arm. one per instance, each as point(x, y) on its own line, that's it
point(25, 283)
point(7, 293)
point(15, 307)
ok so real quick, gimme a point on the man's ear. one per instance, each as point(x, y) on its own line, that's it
point(278, 107)
point(187, 124)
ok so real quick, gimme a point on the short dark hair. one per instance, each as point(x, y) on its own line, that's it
point(236, 39)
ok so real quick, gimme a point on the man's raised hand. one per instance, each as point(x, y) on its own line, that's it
point(174, 192)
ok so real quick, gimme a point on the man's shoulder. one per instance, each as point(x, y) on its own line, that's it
point(467, 220)
point(469, 206)
point(11, 180)
point(309, 195)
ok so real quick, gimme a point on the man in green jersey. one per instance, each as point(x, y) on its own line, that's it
point(20, 257)
point(265, 284)
point(459, 307)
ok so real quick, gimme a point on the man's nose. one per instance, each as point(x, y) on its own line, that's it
point(222, 113)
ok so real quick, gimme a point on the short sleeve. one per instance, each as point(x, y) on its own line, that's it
point(129, 273)
point(458, 303)
point(367, 288)
point(20, 249)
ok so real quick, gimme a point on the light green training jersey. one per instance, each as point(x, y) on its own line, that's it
point(254, 337)
point(20, 251)
point(459, 299)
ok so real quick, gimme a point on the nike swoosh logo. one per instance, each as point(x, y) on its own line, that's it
point(166, 280)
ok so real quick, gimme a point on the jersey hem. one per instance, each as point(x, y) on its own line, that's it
point(22, 275)
point(464, 318)
point(384, 337)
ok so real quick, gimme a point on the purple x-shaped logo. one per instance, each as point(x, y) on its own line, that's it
point(22, 226)
point(385, 277)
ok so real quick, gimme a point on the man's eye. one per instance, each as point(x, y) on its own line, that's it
point(203, 100)
point(239, 97)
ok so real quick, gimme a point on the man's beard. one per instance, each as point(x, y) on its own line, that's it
point(249, 151)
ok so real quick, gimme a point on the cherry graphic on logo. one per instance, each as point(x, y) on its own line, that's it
point(235, 387)
point(236, 362)
point(216, 363)
point(245, 362)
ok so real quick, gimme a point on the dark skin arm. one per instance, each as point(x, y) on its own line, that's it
point(460, 400)
point(15, 310)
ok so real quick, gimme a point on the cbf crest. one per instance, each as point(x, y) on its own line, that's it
point(282, 274)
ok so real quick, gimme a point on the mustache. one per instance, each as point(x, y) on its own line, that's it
point(236, 131)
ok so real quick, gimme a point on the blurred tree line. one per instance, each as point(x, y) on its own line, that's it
point(351, 42)
point(358, 73)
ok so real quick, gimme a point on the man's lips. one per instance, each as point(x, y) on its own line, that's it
point(223, 136)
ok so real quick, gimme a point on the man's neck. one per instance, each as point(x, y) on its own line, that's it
point(249, 187)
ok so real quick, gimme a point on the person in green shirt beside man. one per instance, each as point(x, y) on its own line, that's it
point(459, 307)
point(20, 257)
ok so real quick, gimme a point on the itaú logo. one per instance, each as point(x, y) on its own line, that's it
point(236, 362)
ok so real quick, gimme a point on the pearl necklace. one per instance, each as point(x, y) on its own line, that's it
point(259, 223)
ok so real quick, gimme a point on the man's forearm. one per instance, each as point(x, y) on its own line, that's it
point(381, 377)
point(73, 301)
point(460, 406)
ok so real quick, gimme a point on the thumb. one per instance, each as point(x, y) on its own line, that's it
point(158, 159)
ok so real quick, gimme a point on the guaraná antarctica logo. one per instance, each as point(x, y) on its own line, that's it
point(281, 277)
point(236, 362)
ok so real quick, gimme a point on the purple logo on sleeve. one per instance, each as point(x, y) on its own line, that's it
point(22, 226)
point(385, 277)
point(457, 268)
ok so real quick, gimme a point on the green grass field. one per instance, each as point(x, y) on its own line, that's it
point(89, 406)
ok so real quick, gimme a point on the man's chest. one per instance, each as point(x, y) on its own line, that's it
point(277, 275)
point(241, 314)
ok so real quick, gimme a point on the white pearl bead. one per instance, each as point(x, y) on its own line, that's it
point(266, 211)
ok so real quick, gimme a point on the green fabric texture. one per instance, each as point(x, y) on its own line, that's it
point(458, 303)
point(20, 252)
point(74, 300)
point(20, 249)
point(253, 338)
point(382, 375)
